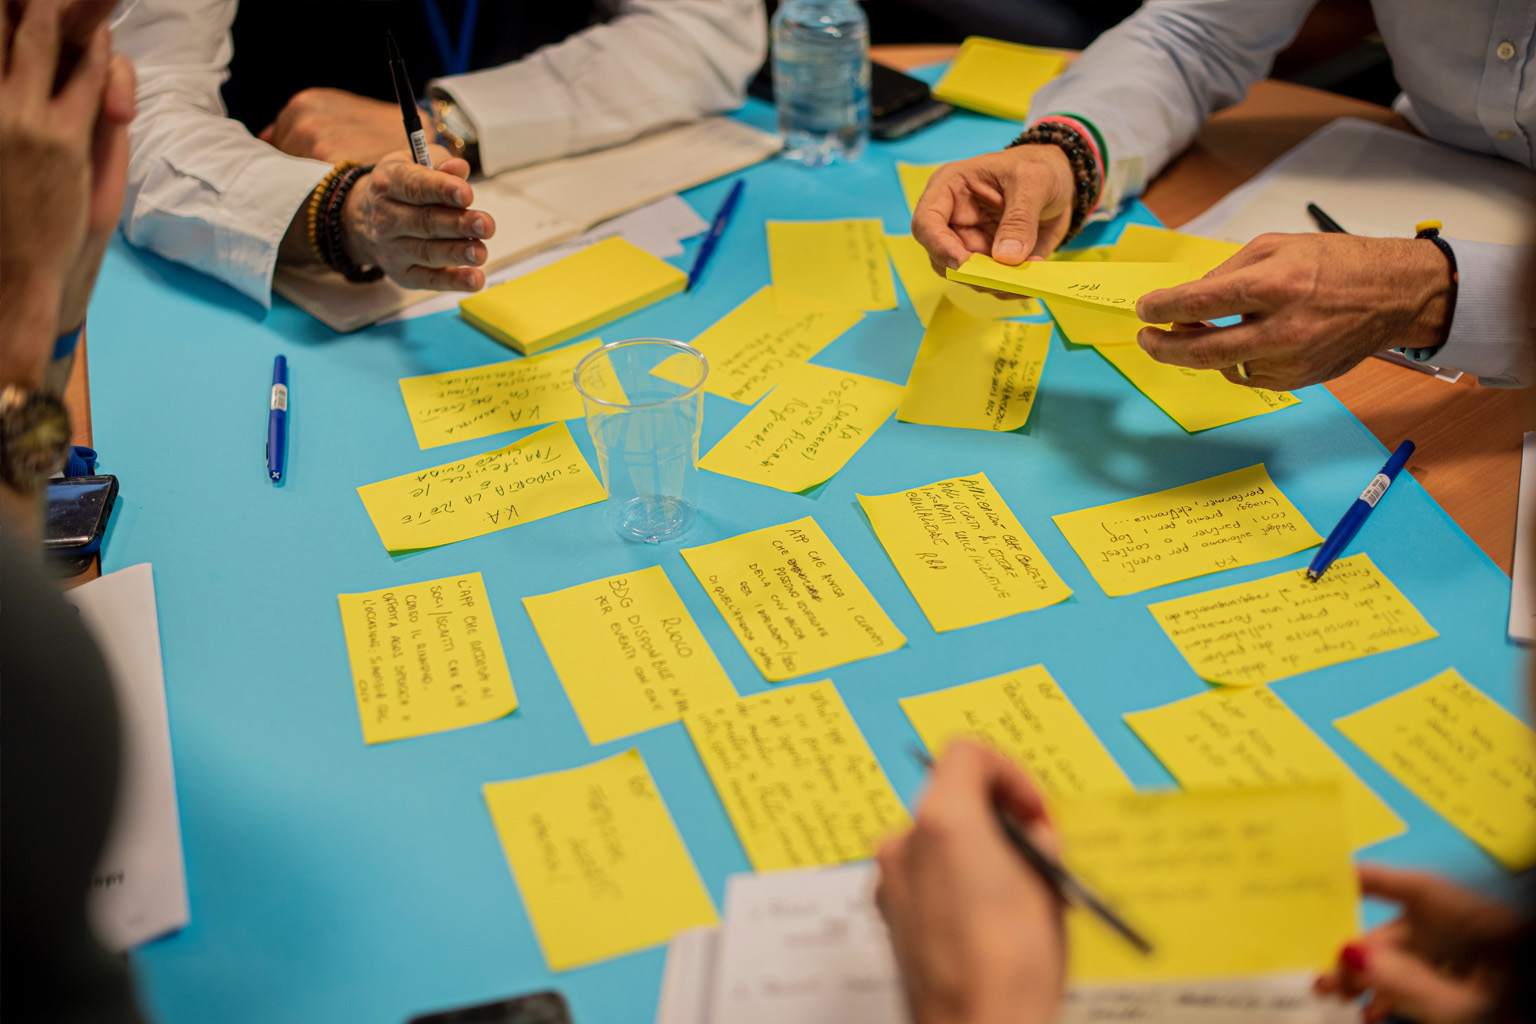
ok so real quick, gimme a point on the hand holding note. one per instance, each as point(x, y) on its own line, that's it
point(1011, 205)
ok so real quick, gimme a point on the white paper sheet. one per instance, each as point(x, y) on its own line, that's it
point(688, 979)
point(139, 889)
point(1522, 585)
point(1275, 999)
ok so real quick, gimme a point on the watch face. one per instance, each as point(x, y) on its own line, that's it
point(34, 437)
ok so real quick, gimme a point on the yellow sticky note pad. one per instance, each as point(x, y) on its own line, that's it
point(598, 860)
point(974, 373)
point(425, 658)
point(797, 777)
point(1025, 715)
point(1461, 753)
point(962, 552)
point(579, 293)
point(1249, 738)
point(821, 265)
point(997, 78)
point(1109, 285)
point(541, 475)
point(1284, 625)
point(1142, 243)
point(1222, 883)
point(752, 346)
point(628, 653)
point(792, 600)
point(805, 430)
point(466, 404)
point(1196, 399)
point(926, 289)
point(1237, 518)
point(914, 178)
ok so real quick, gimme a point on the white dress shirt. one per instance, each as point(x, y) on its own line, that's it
point(1467, 77)
point(203, 191)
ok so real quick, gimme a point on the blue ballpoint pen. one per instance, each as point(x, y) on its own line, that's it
point(1350, 525)
point(277, 420)
point(716, 229)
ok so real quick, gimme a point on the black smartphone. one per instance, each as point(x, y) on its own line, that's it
point(909, 119)
point(76, 520)
point(890, 93)
point(538, 1008)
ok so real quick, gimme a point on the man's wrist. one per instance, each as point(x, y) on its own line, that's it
point(1437, 302)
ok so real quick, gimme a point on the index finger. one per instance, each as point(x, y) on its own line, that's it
point(1209, 298)
point(423, 186)
point(930, 226)
point(971, 775)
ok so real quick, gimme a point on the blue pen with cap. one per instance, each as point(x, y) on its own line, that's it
point(1355, 518)
point(277, 420)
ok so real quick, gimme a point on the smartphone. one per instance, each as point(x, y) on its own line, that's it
point(538, 1008)
point(909, 119)
point(890, 94)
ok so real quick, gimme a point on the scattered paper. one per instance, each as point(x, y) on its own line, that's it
point(1461, 753)
point(997, 78)
point(1112, 286)
point(541, 475)
point(628, 653)
point(914, 178)
point(925, 288)
point(974, 373)
point(797, 778)
point(821, 265)
point(598, 860)
point(1284, 625)
point(1196, 399)
point(792, 600)
point(1025, 715)
point(1522, 589)
point(805, 430)
point(1250, 738)
point(426, 657)
point(962, 552)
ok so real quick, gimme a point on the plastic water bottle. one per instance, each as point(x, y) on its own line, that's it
point(821, 79)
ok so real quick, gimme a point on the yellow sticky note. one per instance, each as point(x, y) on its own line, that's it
point(541, 475)
point(1196, 399)
point(1142, 243)
point(797, 778)
point(485, 400)
point(1097, 285)
point(962, 552)
point(598, 860)
point(1461, 753)
point(426, 658)
point(821, 265)
point(1237, 518)
point(997, 78)
point(571, 296)
point(926, 289)
point(1087, 254)
point(1221, 882)
point(628, 653)
point(1085, 325)
point(792, 600)
point(805, 430)
point(1025, 715)
point(1284, 625)
point(914, 178)
point(751, 346)
point(974, 373)
point(1249, 738)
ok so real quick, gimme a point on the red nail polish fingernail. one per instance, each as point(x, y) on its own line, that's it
point(1353, 956)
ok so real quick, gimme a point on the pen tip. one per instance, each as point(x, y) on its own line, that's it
point(394, 50)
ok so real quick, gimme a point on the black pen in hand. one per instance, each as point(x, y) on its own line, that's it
point(407, 99)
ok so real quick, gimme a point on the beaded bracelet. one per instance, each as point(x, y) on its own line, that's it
point(329, 227)
point(1087, 174)
point(313, 207)
point(1429, 231)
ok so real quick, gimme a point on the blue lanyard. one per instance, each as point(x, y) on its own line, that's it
point(455, 59)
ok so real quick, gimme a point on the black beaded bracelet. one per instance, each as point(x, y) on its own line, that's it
point(1087, 179)
point(328, 231)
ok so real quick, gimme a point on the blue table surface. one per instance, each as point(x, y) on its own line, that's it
point(331, 881)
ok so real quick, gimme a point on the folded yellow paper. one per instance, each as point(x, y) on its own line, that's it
point(541, 475)
point(797, 778)
point(805, 430)
point(1113, 286)
point(1025, 715)
point(1248, 738)
point(1461, 753)
point(425, 658)
point(997, 78)
point(822, 265)
point(1237, 518)
point(926, 289)
point(579, 293)
point(914, 178)
point(974, 373)
point(1195, 399)
point(627, 652)
point(598, 860)
point(962, 552)
point(792, 600)
point(1222, 883)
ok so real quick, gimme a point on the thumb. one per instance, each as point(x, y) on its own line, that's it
point(1403, 985)
point(1018, 228)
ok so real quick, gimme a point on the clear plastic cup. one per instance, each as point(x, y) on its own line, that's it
point(645, 405)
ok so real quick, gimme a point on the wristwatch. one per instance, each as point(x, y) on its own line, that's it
point(34, 437)
point(455, 132)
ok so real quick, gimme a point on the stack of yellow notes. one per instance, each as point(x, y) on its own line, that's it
point(998, 78)
point(571, 296)
point(1102, 286)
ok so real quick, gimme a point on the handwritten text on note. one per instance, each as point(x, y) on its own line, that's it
point(975, 373)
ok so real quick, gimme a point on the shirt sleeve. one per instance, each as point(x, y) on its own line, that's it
point(658, 62)
point(1149, 83)
point(201, 189)
point(1491, 327)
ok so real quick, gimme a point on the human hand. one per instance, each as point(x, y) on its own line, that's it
point(1432, 963)
point(414, 222)
point(1011, 205)
point(1313, 307)
point(336, 125)
point(977, 933)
